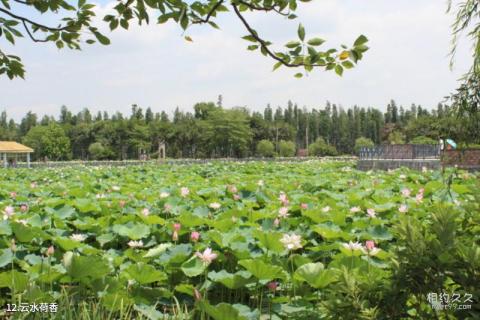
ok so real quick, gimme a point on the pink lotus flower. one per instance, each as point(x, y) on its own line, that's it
point(232, 189)
point(167, 207)
point(184, 192)
point(304, 206)
point(403, 208)
point(197, 294)
point(146, 212)
point(8, 212)
point(355, 209)
point(50, 251)
point(406, 192)
point(276, 222)
point(122, 203)
point(370, 248)
point(33, 185)
point(369, 244)
point(283, 198)
point(207, 256)
point(236, 197)
point(371, 213)
point(272, 286)
point(13, 195)
point(177, 226)
point(24, 207)
point(283, 212)
point(195, 236)
point(419, 196)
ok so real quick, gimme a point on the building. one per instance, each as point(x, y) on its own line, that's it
point(11, 151)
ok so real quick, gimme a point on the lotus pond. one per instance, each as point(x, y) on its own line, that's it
point(257, 240)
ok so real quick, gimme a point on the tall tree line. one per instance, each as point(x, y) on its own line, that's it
point(210, 130)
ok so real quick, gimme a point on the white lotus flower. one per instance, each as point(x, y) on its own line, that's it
point(353, 245)
point(215, 205)
point(146, 212)
point(326, 209)
point(115, 188)
point(403, 208)
point(164, 195)
point(22, 221)
point(78, 237)
point(135, 244)
point(291, 242)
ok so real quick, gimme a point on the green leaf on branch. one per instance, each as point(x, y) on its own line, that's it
point(301, 32)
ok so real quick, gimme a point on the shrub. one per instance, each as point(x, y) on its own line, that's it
point(286, 148)
point(423, 140)
point(362, 142)
point(321, 148)
point(265, 148)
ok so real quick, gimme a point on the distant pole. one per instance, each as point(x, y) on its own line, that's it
point(5, 163)
point(28, 160)
point(306, 136)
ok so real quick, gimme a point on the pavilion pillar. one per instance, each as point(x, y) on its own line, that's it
point(5, 163)
point(28, 160)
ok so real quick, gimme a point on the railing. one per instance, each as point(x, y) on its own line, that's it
point(400, 151)
point(185, 161)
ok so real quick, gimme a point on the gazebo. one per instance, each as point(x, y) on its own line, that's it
point(12, 149)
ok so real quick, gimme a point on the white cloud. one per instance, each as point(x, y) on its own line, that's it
point(154, 66)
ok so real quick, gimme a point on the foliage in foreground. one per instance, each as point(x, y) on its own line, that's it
point(257, 240)
point(76, 25)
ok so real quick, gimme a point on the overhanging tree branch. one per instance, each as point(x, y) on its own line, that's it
point(31, 35)
point(267, 9)
point(263, 43)
point(210, 13)
point(33, 23)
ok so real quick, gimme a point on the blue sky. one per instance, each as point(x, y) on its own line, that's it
point(153, 66)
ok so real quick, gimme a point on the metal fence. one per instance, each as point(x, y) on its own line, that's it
point(401, 151)
point(55, 164)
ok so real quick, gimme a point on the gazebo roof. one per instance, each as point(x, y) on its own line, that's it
point(13, 147)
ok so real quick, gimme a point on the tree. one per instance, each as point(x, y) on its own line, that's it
point(396, 137)
point(49, 141)
point(466, 99)
point(75, 29)
point(97, 151)
point(321, 148)
point(265, 148)
point(362, 142)
point(286, 148)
